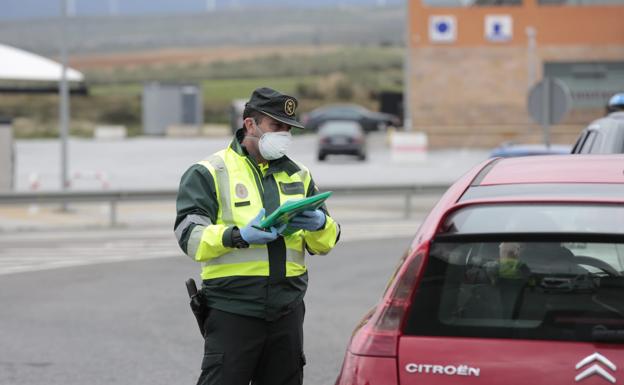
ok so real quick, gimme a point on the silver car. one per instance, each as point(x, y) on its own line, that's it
point(339, 137)
point(602, 136)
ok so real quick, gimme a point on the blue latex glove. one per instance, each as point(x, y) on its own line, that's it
point(253, 235)
point(311, 220)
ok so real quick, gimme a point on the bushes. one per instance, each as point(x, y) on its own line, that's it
point(309, 91)
point(126, 111)
point(352, 75)
point(345, 90)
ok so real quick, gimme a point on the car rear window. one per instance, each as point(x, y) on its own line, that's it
point(342, 128)
point(546, 290)
point(536, 218)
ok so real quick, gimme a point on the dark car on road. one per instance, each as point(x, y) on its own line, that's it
point(602, 136)
point(516, 276)
point(369, 120)
point(338, 137)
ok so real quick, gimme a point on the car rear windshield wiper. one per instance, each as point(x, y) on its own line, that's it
point(606, 335)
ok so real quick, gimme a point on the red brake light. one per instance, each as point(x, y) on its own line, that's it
point(379, 337)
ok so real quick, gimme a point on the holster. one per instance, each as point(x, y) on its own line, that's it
point(198, 304)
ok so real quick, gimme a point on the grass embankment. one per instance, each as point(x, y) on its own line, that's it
point(354, 75)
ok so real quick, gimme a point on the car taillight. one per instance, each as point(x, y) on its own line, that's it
point(361, 370)
point(380, 335)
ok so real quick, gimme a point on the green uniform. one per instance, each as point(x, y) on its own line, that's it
point(226, 190)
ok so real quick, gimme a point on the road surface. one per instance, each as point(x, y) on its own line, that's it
point(127, 322)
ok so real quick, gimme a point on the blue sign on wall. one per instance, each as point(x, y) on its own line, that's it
point(442, 28)
point(498, 27)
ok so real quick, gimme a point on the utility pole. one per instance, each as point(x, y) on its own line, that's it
point(113, 7)
point(407, 68)
point(71, 8)
point(64, 101)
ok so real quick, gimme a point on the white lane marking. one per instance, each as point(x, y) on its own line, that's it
point(36, 251)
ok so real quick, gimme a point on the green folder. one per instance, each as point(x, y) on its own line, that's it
point(291, 208)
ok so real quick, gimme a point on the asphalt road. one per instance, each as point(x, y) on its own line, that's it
point(128, 322)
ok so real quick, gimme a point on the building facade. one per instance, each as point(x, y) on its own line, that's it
point(470, 66)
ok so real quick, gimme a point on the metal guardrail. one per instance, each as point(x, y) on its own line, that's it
point(116, 196)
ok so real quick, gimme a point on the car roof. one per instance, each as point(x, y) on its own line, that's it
point(553, 169)
point(557, 179)
point(335, 107)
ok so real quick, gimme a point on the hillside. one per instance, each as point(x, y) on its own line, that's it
point(290, 26)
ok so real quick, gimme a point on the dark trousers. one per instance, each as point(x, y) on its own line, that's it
point(239, 349)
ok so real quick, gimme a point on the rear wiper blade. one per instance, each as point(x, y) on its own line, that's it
point(606, 335)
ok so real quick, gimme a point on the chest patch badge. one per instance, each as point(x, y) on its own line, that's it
point(241, 191)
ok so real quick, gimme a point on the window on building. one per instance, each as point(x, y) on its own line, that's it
point(494, 3)
point(581, 2)
point(592, 83)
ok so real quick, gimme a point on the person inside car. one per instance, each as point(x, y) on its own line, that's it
point(508, 264)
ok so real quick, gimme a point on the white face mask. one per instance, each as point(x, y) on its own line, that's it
point(273, 145)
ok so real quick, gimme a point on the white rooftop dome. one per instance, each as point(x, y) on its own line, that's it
point(17, 64)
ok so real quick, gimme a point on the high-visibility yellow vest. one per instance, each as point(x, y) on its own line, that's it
point(240, 194)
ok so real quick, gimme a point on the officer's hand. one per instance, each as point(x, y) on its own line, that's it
point(252, 235)
point(311, 220)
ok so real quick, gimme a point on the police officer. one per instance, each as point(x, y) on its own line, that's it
point(254, 280)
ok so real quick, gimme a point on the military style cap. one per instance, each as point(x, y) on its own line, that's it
point(275, 104)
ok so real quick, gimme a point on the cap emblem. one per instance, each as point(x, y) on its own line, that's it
point(289, 107)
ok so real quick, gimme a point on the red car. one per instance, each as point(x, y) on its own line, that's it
point(515, 277)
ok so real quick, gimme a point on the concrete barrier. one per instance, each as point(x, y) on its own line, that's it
point(110, 132)
point(408, 146)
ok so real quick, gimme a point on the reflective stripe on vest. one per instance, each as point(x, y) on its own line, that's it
point(303, 174)
point(223, 181)
point(192, 219)
point(194, 241)
point(254, 254)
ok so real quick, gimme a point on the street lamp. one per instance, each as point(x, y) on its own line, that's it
point(64, 100)
point(407, 59)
